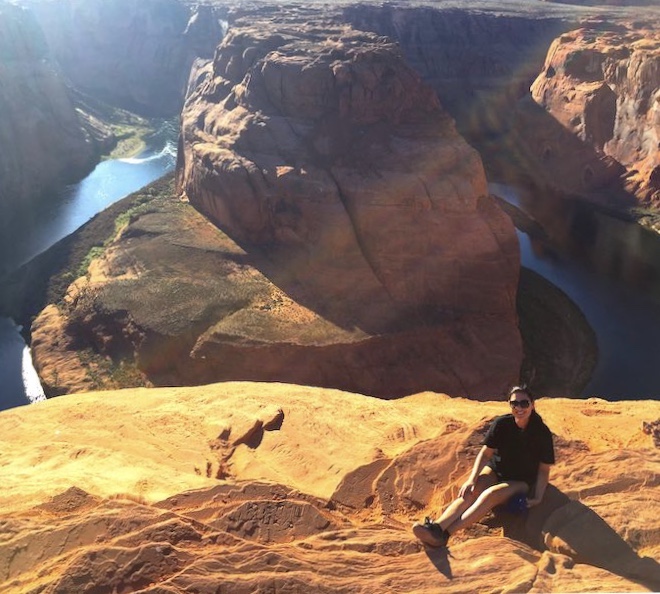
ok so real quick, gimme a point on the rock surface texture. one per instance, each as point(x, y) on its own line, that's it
point(248, 488)
point(318, 146)
point(42, 140)
point(479, 62)
point(602, 84)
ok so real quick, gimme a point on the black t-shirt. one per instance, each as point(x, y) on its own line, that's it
point(519, 451)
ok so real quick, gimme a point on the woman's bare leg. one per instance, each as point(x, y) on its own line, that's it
point(487, 500)
point(455, 509)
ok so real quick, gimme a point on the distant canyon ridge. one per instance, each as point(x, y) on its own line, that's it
point(330, 222)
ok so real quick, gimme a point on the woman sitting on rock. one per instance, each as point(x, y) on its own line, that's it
point(514, 462)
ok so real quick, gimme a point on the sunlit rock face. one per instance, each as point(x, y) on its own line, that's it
point(42, 142)
point(133, 54)
point(602, 84)
point(251, 487)
point(318, 144)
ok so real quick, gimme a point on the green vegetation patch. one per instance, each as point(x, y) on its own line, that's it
point(46, 278)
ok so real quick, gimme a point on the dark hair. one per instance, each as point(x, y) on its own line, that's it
point(521, 388)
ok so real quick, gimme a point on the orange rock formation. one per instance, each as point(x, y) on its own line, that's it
point(246, 487)
point(602, 83)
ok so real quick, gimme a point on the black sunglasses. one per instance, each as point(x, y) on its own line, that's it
point(520, 403)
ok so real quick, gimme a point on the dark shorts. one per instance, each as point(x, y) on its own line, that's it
point(531, 482)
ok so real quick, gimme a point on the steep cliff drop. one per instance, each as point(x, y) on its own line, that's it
point(43, 142)
point(135, 55)
point(371, 257)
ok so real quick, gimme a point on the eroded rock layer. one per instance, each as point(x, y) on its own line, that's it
point(317, 144)
point(590, 125)
point(252, 487)
point(173, 300)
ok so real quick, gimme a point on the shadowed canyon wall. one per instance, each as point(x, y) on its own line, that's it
point(479, 63)
point(133, 54)
point(590, 125)
point(42, 139)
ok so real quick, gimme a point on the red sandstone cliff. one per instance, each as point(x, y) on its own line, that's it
point(320, 145)
point(602, 84)
point(591, 127)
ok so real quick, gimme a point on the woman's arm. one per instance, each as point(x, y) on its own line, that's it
point(483, 457)
point(541, 483)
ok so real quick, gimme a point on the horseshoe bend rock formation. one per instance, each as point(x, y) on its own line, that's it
point(242, 487)
point(318, 145)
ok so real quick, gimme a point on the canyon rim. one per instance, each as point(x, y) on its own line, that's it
point(328, 236)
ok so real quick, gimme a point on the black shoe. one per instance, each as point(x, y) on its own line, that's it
point(431, 533)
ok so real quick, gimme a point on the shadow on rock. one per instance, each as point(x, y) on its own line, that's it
point(440, 559)
point(569, 527)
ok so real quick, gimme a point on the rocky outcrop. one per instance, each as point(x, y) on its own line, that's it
point(133, 54)
point(173, 300)
point(243, 487)
point(42, 139)
point(602, 84)
point(319, 145)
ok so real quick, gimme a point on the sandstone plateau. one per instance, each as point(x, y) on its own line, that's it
point(247, 487)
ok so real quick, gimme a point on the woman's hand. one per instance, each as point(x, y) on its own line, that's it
point(466, 488)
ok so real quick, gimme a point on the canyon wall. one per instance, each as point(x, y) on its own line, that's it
point(479, 63)
point(589, 127)
point(372, 260)
point(136, 55)
point(320, 145)
point(601, 83)
point(43, 142)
